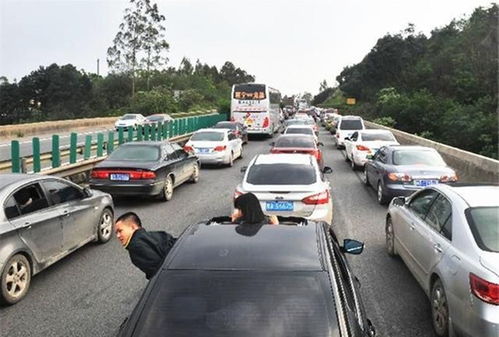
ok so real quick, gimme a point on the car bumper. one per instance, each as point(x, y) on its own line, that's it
point(213, 158)
point(259, 131)
point(483, 321)
point(148, 189)
point(320, 213)
point(360, 159)
point(400, 190)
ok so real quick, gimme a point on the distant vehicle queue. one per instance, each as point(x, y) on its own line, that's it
point(444, 233)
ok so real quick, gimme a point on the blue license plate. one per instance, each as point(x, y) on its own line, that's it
point(203, 150)
point(279, 205)
point(423, 183)
point(119, 176)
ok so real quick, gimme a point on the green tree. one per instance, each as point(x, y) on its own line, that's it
point(139, 43)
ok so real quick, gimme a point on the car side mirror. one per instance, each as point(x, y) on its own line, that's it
point(243, 169)
point(352, 246)
point(87, 192)
point(347, 138)
point(320, 144)
point(327, 170)
point(399, 201)
point(369, 156)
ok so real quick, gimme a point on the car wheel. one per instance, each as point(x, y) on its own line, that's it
point(105, 227)
point(195, 174)
point(439, 309)
point(346, 157)
point(382, 198)
point(167, 192)
point(231, 160)
point(364, 177)
point(15, 278)
point(390, 237)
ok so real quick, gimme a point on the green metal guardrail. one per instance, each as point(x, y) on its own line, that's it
point(159, 131)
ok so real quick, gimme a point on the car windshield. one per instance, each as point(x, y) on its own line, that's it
point(231, 126)
point(305, 131)
point(483, 223)
point(239, 303)
point(351, 124)
point(295, 142)
point(136, 152)
point(382, 136)
point(281, 174)
point(129, 117)
point(417, 157)
point(208, 136)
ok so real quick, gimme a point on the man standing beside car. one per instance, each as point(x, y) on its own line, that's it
point(147, 249)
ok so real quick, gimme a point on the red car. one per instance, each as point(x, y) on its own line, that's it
point(293, 143)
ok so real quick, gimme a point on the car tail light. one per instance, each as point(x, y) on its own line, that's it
point(220, 148)
point(232, 119)
point(266, 122)
point(99, 174)
point(188, 148)
point(484, 290)
point(399, 177)
point(275, 151)
point(148, 175)
point(317, 199)
point(448, 178)
point(362, 148)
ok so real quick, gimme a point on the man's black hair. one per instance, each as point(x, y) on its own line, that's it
point(130, 216)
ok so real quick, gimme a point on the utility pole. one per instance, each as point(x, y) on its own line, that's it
point(97, 67)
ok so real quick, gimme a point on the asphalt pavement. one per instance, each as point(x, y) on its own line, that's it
point(92, 291)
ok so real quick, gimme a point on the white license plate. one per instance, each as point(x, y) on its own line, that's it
point(119, 176)
point(423, 183)
point(279, 205)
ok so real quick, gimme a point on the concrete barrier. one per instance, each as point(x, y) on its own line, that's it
point(470, 167)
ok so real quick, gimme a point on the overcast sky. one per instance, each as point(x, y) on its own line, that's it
point(292, 45)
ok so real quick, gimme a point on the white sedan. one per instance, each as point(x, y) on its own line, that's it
point(215, 146)
point(130, 120)
point(366, 142)
point(301, 130)
point(289, 185)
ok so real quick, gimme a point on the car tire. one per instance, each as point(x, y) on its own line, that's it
point(439, 309)
point(380, 194)
point(167, 191)
point(363, 176)
point(105, 226)
point(195, 174)
point(390, 237)
point(15, 279)
point(346, 157)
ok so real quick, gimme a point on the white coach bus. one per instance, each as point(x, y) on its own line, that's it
point(257, 106)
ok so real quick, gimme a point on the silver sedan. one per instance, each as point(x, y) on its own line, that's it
point(448, 236)
point(43, 219)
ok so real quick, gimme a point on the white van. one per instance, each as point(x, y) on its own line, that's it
point(346, 127)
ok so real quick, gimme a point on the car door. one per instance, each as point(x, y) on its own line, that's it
point(433, 235)
point(78, 218)
point(373, 167)
point(412, 231)
point(38, 225)
point(350, 144)
point(185, 169)
point(235, 143)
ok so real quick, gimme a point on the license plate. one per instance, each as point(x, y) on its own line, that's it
point(202, 150)
point(279, 205)
point(119, 176)
point(423, 183)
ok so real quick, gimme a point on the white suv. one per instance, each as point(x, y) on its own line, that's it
point(346, 127)
point(289, 185)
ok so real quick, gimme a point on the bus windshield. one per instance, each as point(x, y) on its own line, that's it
point(249, 92)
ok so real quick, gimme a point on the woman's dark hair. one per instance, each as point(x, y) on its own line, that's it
point(250, 208)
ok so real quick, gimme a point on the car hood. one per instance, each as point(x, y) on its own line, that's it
point(126, 164)
point(490, 261)
point(424, 170)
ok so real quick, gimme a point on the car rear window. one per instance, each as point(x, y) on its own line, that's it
point(208, 136)
point(382, 136)
point(351, 124)
point(483, 223)
point(295, 142)
point(417, 157)
point(136, 152)
point(231, 126)
point(301, 131)
point(281, 174)
point(239, 303)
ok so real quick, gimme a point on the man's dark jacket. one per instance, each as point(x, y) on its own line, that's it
point(148, 250)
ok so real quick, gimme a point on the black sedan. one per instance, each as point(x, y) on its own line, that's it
point(145, 169)
point(397, 170)
point(239, 129)
point(222, 279)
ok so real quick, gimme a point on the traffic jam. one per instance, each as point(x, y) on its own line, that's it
point(220, 276)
